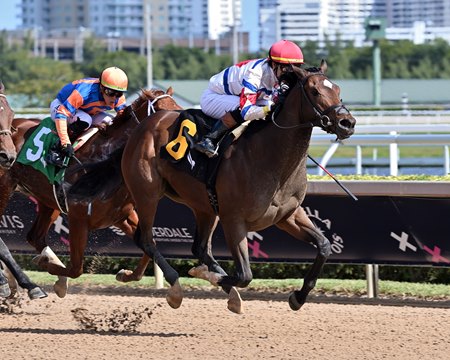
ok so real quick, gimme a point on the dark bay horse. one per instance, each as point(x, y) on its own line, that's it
point(8, 156)
point(261, 181)
point(117, 211)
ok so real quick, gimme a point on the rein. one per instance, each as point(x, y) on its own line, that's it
point(5, 132)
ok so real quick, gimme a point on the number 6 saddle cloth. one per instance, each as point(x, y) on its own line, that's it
point(192, 125)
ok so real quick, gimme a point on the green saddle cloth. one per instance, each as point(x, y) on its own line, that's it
point(36, 147)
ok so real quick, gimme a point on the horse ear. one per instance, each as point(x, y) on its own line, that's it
point(169, 91)
point(323, 66)
point(2, 87)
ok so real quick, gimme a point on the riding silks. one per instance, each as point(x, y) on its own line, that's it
point(36, 147)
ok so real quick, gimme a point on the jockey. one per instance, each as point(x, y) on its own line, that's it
point(83, 103)
point(245, 91)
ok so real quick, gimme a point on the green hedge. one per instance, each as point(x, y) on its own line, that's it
point(422, 274)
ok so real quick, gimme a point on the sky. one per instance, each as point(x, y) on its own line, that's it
point(9, 19)
point(8, 14)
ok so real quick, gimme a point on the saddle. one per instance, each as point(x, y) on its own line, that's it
point(192, 125)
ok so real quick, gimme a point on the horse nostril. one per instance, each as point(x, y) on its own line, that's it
point(6, 158)
point(346, 124)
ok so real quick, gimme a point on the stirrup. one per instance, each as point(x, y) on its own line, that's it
point(55, 159)
point(207, 147)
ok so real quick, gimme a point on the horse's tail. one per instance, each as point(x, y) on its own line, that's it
point(101, 180)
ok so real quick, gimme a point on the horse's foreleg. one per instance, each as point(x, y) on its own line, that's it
point(301, 227)
point(128, 226)
point(78, 235)
point(209, 269)
point(34, 291)
point(236, 237)
point(37, 237)
point(5, 290)
point(144, 239)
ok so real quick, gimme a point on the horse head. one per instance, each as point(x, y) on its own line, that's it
point(323, 98)
point(148, 102)
point(155, 100)
point(7, 149)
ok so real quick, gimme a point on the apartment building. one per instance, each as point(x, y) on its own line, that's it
point(318, 20)
point(125, 18)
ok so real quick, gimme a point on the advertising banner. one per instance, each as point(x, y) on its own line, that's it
point(376, 229)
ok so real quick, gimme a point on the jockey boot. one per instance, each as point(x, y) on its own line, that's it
point(55, 157)
point(208, 145)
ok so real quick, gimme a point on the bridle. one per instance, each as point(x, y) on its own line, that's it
point(151, 108)
point(322, 119)
point(5, 131)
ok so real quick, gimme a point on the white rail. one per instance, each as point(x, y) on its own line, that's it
point(369, 135)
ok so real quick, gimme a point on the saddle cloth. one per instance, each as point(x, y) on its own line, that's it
point(192, 125)
point(36, 147)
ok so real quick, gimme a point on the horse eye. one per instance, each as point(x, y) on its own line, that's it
point(315, 92)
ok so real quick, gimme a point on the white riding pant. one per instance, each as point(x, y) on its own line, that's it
point(101, 117)
point(217, 105)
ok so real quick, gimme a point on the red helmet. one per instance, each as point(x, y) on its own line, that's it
point(114, 78)
point(286, 52)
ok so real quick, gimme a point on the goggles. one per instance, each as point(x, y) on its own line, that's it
point(112, 93)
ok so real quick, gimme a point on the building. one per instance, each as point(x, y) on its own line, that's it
point(319, 20)
point(125, 18)
point(60, 26)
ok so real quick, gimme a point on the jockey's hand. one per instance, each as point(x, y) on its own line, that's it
point(67, 150)
point(102, 126)
point(268, 107)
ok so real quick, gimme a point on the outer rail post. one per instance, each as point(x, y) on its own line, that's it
point(159, 276)
point(372, 280)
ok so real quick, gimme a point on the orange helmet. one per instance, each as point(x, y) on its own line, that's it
point(114, 78)
point(286, 52)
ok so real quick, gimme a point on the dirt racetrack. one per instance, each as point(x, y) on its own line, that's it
point(140, 325)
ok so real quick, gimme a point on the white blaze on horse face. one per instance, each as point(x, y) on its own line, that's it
point(328, 83)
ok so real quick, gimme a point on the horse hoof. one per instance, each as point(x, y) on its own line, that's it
point(175, 295)
point(41, 261)
point(61, 286)
point(5, 290)
point(37, 293)
point(293, 303)
point(122, 275)
point(235, 301)
point(199, 272)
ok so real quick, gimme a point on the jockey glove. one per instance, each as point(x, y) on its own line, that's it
point(67, 150)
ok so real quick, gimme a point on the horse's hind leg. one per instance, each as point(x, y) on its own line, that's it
point(34, 291)
point(301, 227)
point(128, 226)
point(201, 248)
